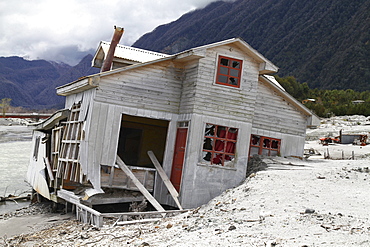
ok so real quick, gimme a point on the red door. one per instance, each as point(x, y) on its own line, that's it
point(178, 157)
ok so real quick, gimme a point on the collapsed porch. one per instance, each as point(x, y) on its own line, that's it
point(137, 135)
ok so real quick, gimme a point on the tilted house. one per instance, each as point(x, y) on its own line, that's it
point(202, 112)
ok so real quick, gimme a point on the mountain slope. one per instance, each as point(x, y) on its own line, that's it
point(31, 84)
point(325, 44)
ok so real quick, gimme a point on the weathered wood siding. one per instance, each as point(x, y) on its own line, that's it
point(215, 100)
point(154, 87)
point(275, 113)
point(189, 87)
point(201, 182)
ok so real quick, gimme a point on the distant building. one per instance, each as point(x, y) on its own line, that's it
point(358, 102)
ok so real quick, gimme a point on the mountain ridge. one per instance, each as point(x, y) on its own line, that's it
point(31, 83)
point(316, 43)
point(325, 45)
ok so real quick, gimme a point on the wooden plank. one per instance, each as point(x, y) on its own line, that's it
point(137, 221)
point(142, 189)
point(144, 213)
point(107, 134)
point(165, 179)
point(48, 167)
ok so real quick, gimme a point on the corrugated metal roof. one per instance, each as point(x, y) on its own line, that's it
point(273, 80)
point(132, 53)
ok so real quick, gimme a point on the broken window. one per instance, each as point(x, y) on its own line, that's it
point(229, 71)
point(219, 145)
point(262, 145)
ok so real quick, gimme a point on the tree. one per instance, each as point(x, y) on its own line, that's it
point(5, 103)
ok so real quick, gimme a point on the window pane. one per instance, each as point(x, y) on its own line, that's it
point(235, 64)
point(208, 144)
point(222, 79)
point(230, 147)
point(255, 140)
point(266, 143)
point(224, 70)
point(210, 130)
point(217, 159)
point(229, 160)
point(224, 62)
point(273, 153)
point(206, 156)
point(233, 81)
point(265, 152)
point(221, 131)
point(219, 146)
point(254, 150)
point(275, 144)
point(234, 72)
point(232, 134)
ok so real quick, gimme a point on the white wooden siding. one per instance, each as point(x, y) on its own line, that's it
point(189, 87)
point(224, 101)
point(274, 113)
point(153, 87)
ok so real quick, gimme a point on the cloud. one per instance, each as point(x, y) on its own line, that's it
point(68, 30)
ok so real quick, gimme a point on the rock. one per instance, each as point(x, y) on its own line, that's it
point(169, 225)
point(309, 211)
point(232, 228)
point(84, 236)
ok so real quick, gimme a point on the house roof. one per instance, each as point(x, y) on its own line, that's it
point(128, 54)
point(141, 57)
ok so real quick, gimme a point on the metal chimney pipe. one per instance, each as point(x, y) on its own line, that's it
point(118, 31)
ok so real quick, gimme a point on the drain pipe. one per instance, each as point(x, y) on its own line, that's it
point(118, 31)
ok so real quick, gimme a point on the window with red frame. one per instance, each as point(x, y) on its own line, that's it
point(229, 71)
point(266, 146)
point(219, 145)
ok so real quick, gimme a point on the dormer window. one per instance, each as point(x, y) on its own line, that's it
point(229, 71)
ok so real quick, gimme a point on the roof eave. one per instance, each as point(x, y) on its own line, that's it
point(82, 84)
point(50, 122)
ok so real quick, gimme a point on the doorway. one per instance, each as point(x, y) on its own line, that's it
point(137, 136)
point(179, 155)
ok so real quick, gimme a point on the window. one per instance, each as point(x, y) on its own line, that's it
point(229, 71)
point(219, 145)
point(262, 145)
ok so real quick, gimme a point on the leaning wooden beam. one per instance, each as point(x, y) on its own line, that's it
point(137, 183)
point(48, 167)
point(165, 179)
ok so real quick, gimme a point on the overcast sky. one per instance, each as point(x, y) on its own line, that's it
point(66, 30)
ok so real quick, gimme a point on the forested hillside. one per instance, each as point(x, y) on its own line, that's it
point(323, 43)
point(326, 103)
point(31, 84)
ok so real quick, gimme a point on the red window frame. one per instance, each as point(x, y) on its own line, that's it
point(263, 145)
point(229, 71)
point(219, 144)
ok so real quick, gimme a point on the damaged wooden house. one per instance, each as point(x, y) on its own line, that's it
point(199, 115)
